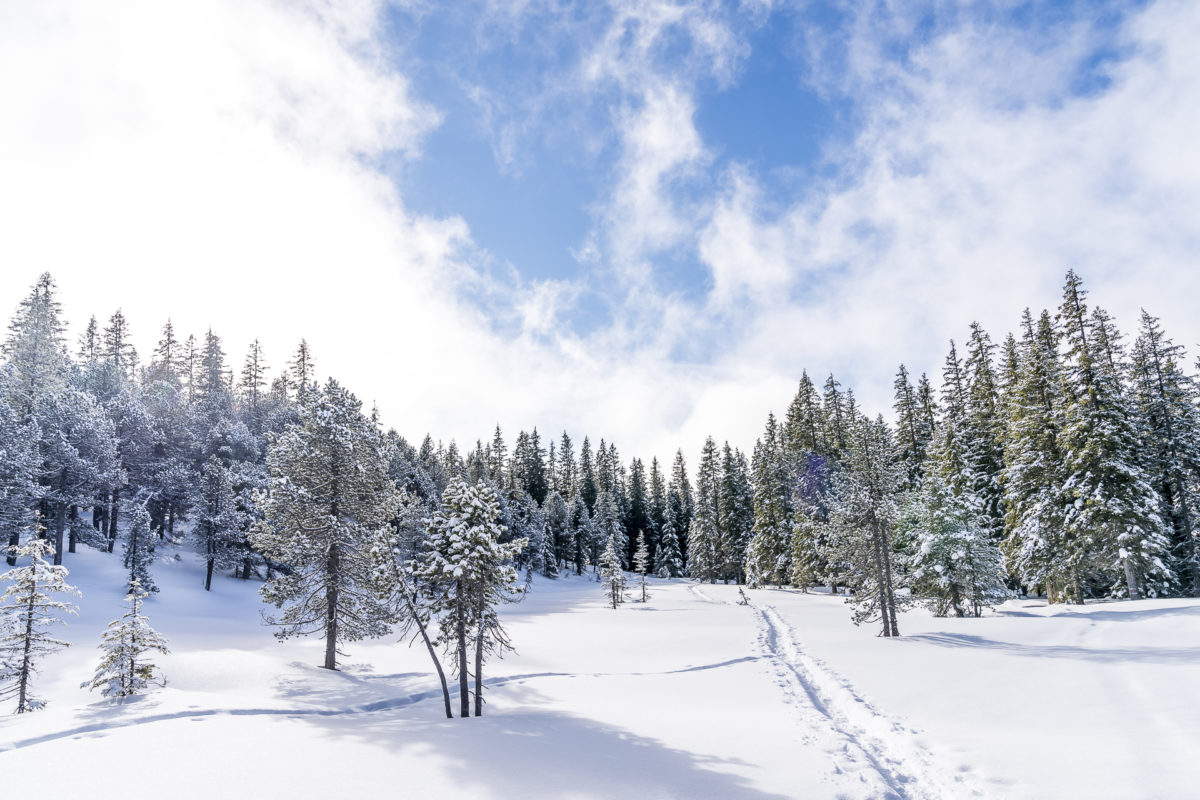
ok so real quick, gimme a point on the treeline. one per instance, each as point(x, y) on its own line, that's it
point(1059, 462)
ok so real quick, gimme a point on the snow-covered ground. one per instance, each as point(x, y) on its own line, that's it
point(688, 696)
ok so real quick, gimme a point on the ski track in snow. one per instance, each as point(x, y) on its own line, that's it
point(866, 746)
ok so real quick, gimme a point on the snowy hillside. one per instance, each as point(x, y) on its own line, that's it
point(688, 696)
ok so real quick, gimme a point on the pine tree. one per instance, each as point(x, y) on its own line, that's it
point(637, 515)
point(705, 532)
point(1112, 510)
point(611, 575)
point(1166, 400)
point(668, 561)
point(123, 670)
point(117, 351)
point(803, 430)
point(982, 429)
point(864, 510)
point(78, 453)
point(217, 522)
point(301, 377)
point(19, 468)
point(768, 557)
point(468, 572)
point(29, 608)
point(608, 524)
point(139, 550)
point(681, 501)
point(35, 348)
point(658, 499)
point(735, 502)
point(253, 381)
point(1037, 544)
point(641, 562)
point(956, 567)
point(912, 433)
point(330, 501)
point(168, 358)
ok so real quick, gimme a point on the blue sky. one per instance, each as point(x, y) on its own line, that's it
point(640, 220)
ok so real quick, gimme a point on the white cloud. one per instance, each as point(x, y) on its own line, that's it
point(217, 163)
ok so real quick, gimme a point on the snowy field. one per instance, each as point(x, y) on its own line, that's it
point(687, 696)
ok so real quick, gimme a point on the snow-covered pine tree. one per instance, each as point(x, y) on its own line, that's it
point(217, 521)
point(28, 607)
point(1037, 545)
point(735, 501)
point(330, 500)
point(704, 534)
point(19, 467)
point(139, 550)
point(467, 572)
point(1170, 437)
point(804, 429)
point(768, 557)
point(637, 515)
point(956, 566)
point(864, 509)
point(608, 523)
point(681, 500)
point(124, 670)
point(612, 576)
point(982, 429)
point(668, 561)
point(36, 348)
point(1112, 511)
point(913, 435)
point(641, 563)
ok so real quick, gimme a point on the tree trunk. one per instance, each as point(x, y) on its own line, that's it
point(437, 663)
point(112, 519)
point(332, 567)
point(26, 667)
point(891, 590)
point(881, 584)
point(72, 536)
point(1131, 581)
point(479, 666)
point(460, 631)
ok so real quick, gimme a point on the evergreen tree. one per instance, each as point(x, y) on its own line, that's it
point(956, 567)
point(250, 388)
point(217, 522)
point(168, 360)
point(608, 524)
point(735, 503)
point(658, 499)
point(117, 350)
point(19, 468)
point(641, 562)
point(913, 434)
point(35, 348)
point(705, 533)
point(769, 554)
point(838, 416)
point(588, 488)
point(301, 375)
point(124, 670)
point(1038, 546)
point(611, 575)
point(566, 468)
point(681, 501)
point(139, 550)
point(982, 430)
point(330, 501)
point(637, 514)
point(468, 571)
point(1112, 511)
point(668, 561)
point(1170, 437)
point(78, 453)
point(864, 510)
point(28, 608)
point(803, 430)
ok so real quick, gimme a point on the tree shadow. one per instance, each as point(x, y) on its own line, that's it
point(1112, 655)
point(541, 753)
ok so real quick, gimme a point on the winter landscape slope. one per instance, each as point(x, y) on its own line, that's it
point(691, 695)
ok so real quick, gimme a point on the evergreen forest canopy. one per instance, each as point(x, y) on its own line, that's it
point(1061, 462)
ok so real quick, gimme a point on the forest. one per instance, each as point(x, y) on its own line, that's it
point(1062, 462)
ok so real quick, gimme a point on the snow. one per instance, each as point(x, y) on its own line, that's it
point(689, 695)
